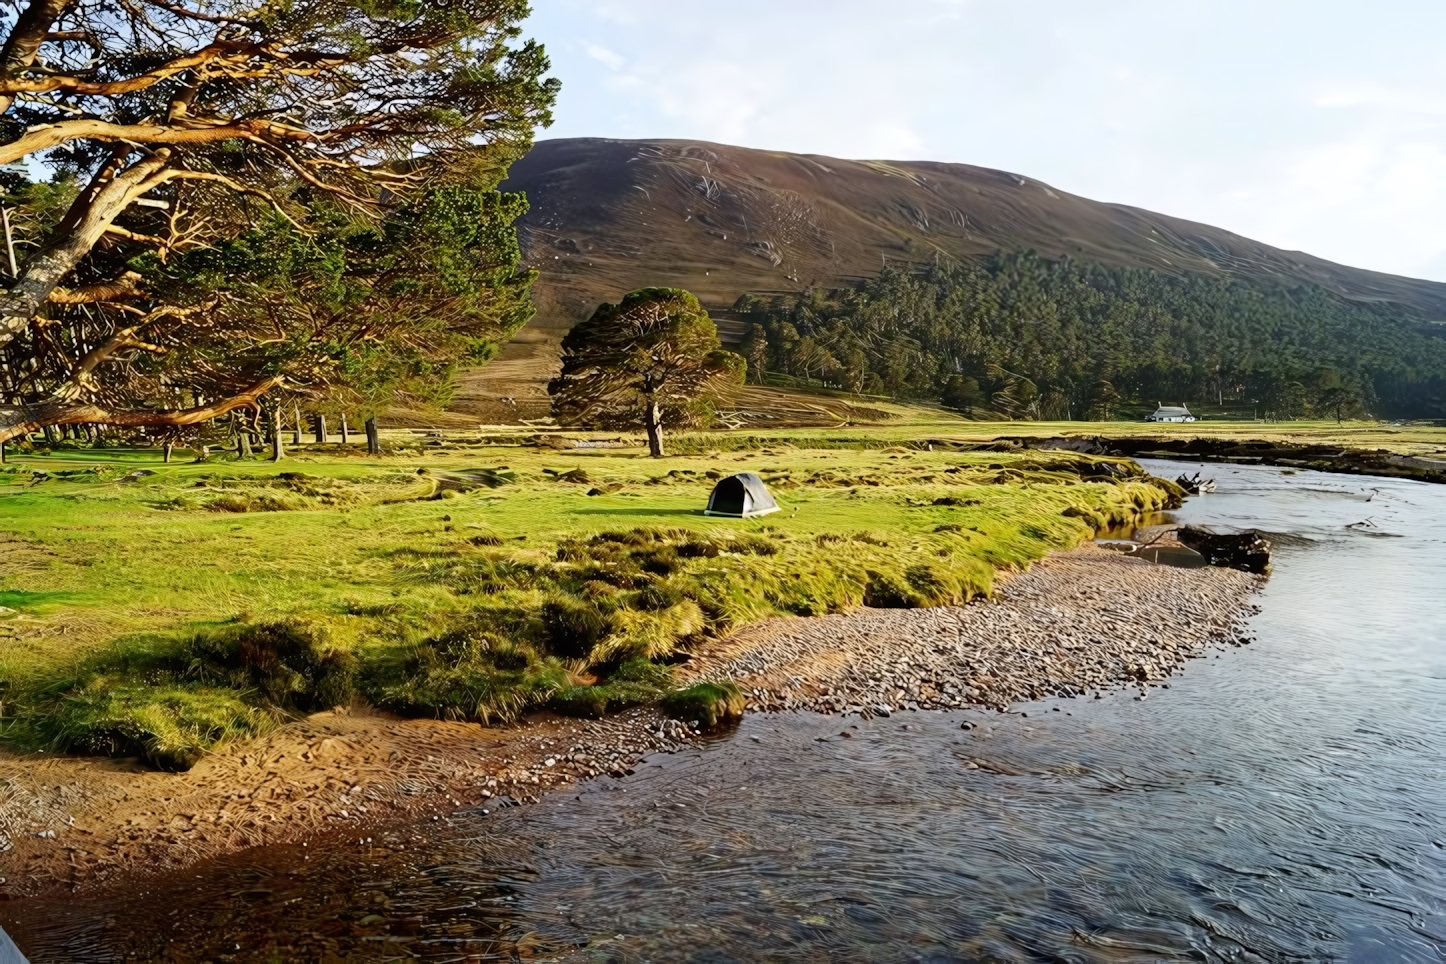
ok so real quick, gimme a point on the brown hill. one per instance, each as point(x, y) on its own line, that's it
point(609, 216)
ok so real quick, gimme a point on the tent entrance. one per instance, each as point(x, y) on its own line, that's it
point(741, 496)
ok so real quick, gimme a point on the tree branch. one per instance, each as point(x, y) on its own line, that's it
point(122, 288)
point(80, 381)
point(22, 420)
point(53, 135)
point(23, 44)
point(111, 88)
point(83, 225)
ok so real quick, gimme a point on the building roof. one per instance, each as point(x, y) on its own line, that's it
point(1172, 410)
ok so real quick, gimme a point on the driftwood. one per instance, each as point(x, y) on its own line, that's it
point(1245, 551)
point(1195, 485)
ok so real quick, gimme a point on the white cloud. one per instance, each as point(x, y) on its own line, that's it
point(604, 56)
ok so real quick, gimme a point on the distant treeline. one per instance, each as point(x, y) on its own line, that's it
point(1024, 337)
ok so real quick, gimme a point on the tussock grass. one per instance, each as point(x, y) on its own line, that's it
point(475, 591)
point(707, 704)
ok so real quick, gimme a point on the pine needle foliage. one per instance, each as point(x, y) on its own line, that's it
point(651, 361)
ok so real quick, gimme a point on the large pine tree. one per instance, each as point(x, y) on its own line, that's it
point(329, 128)
point(650, 361)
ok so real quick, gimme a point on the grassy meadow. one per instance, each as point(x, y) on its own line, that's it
point(163, 609)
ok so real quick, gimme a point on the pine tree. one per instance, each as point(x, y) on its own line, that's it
point(651, 361)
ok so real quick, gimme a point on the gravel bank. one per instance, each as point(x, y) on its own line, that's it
point(1076, 623)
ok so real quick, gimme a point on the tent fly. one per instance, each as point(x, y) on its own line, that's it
point(741, 496)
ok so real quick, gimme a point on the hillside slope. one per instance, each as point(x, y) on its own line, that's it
point(609, 216)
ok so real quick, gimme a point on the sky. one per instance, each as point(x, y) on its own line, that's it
point(1316, 126)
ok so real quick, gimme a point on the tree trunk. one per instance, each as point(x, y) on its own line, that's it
point(243, 444)
point(296, 417)
point(321, 430)
point(653, 422)
point(2, 453)
point(50, 435)
point(204, 454)
point(374, 441)
point(278, 444)
point(343, 429)
point(166, 450)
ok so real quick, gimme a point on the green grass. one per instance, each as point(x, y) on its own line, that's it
point(167, 613)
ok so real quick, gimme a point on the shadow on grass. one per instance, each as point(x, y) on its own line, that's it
point(638, 511)
point(20, 599)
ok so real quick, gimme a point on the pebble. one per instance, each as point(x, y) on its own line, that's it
point(1078, 622)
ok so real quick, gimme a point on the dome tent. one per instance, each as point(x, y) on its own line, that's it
point(741, 496)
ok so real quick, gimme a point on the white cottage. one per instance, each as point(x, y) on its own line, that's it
point(1170, 413)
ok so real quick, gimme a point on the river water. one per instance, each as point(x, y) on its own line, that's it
point(1281, 801)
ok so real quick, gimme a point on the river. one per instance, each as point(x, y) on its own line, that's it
point(1281, 801)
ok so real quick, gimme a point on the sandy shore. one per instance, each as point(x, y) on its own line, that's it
point(1078, 622)
point(69, 823)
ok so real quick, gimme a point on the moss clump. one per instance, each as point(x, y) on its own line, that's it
point(574, 626)
point(633, 683)
point(247, 502)
point(707, 704)
point(170, 700)
point(464, 677)
point(172, 725)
